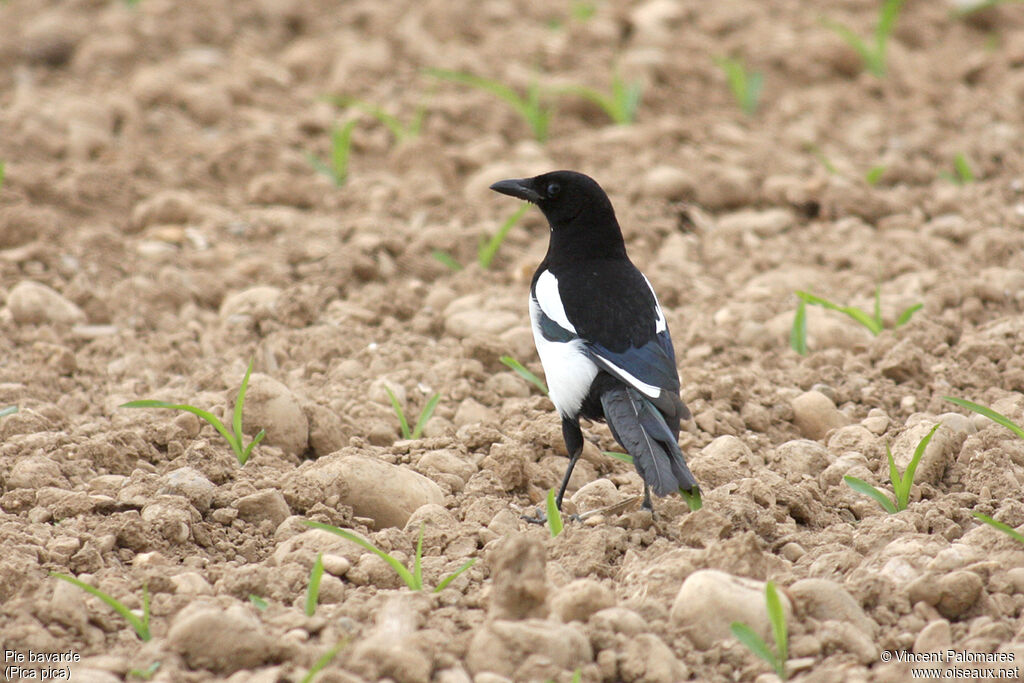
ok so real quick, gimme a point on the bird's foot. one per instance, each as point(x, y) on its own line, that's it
point(541, 517)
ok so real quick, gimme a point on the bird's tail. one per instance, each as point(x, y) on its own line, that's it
point(640, 428)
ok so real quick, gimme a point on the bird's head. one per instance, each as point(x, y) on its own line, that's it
point(565, 197)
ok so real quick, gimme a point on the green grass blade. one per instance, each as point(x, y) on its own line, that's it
point(313, 590)
point(903, 495)
point(554, 515)
point(798, 332)
point(874, 174)
point(244, 458)
point(141, 625)
point(886, 22)
point(894, 474)
point(624, 457)
point(208, 416)
point(3, 173)
point(258, 602)
point(693, 500)
point(391, 122)
point(528, 107)
point(417, 562)
point(402, 422)
point(861, 486)
point(454, 575)
point(341, 146)
point(1005, 528)
point(907, 314)
point(236, 419)
point(754, 643)
point(147, 673)
point(399, 568)
point(9, 410)
point(866, 53)
point(752, 93)
point(446, 259)
point(963, 170)
point(998, 418)
point(815, 300)
point(324, 660)
point(874, 326)
point(425, 414)
point(778, 619)
point(518, 368)
point(488, 250)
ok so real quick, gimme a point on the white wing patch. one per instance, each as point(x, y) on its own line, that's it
point(549, 300)
point(643, 387)
point(567, 367)
point(660, 326)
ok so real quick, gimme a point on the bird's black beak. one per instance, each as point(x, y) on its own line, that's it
point(519, 188)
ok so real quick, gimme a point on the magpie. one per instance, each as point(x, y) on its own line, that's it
point(601, 334)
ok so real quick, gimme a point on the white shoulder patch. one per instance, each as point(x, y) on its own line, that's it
point(660, 326)
point(549, 300)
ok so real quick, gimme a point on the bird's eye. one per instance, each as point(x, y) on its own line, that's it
point(553, 190)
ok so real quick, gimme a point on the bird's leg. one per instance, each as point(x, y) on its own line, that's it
point(573, 436)
point(648, 505)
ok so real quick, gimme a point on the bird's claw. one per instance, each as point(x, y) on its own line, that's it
point(541, 517)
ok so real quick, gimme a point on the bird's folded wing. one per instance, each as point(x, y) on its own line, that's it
point(649, 369)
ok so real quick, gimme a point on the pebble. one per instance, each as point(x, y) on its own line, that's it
point(448, 462)
point(191, 583)
point(709, 601)
point(938, 455)
point(876, 422)
point(500, 646)
point(32, 303)
point(935, 637)
point(471, 411)
point(647, 658)
point(255, 302)
point(266, 504)
point(519, 588)
point(595, 495)
point(171, 516)
point(803, 456)
point(824, 599)
point(577, 600)
point(336, 565)
point(35, 471)
point(385, 493)
point(815, 415)
point(190, 483)
point(669, 183)
point(272, 406)
point(223, 641)
point(762, 223)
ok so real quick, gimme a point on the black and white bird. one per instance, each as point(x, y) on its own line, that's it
point(601, 334)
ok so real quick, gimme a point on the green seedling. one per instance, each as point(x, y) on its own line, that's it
point(900, 483)
point(1005, 528)
point(554, 515)
point(998, 418)
point(412, 579)
point(745, 85)
point(874, 174)
point(518, 368)
point(147, 673)
point(140, 624)
point(401, 130)
point(872, 53)
point(313, 590)
point(324, 660)
point(341, 146)
point(962, 173)
point(620, 103)
point(425, 414)
point(530, 106)
point(9, 410)
point(872, 321)
point(234, 437)
point(258, 602)
point(3, 171)
point(487, 249)
point(747, 636)
point(693, 500)
point(963, 10)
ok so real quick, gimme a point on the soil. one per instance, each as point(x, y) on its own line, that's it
point(161, 225)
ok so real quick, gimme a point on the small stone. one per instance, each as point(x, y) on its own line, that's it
point(668, 183)
point(595, 495)
point(471, 411)
point(171, 516)
point(35, 471)
point(519, 589)
point(191, 583)
point(876, 422)
point(271, 406)
point(577, 600)
point(815, 415)
point(824, 599)
point(958, 591)
point(709, 601)
point(265, 504)
point(336, 565)
point(935, 637)
point(647, 658)
point(388, 494)
point(803, 456)
point(501, 646)
point(223, 641)
point(32, 303)
point(255, 303)
point(764, 223)
point(448, 462)
point(191, 484)
point(938, 455)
